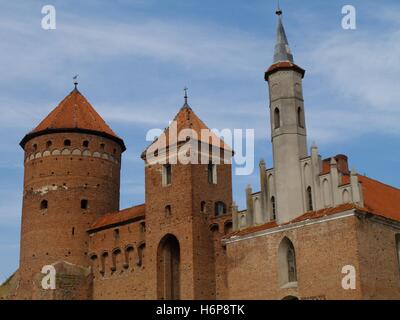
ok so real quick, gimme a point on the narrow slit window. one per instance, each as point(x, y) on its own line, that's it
point(212, 173)
point(273, 206)
point(277, 118)
point(300, 122)
point(309, 199)
point(167, 210)
point(84, 204)
point(203, 206)
point(167, 174)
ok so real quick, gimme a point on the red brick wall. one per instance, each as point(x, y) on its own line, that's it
point(187, 223)
point(125, 274)
point(321, 252)
point(379, 268)
point(59, 232)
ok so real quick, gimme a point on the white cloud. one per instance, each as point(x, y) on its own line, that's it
point(46, 53)
point(361, 69)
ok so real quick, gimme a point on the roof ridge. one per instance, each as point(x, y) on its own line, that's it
point(123, 210)
point(377, 181)
point(194, 122)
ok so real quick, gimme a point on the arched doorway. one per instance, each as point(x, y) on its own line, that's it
point(168, 268)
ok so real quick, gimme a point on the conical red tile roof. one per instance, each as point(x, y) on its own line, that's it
point(74, 113)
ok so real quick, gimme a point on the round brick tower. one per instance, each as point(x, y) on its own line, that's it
point(72, 176)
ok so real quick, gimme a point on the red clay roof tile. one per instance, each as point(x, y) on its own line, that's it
point(119, 217)
point(74, 112)
point(283, 65)
point(380, 199)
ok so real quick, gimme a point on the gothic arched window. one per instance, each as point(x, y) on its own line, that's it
point(309, 199)
point(286, 262)
point(277, 118)
point(291, 261)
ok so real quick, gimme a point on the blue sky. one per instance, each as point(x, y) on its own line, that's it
point(134, 57)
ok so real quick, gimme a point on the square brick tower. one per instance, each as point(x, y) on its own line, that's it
point(182, 200)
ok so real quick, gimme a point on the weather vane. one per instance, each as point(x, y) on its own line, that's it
point(75, 78)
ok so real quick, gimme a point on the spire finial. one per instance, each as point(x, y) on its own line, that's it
point(75, 78)
point(278, 10)
point(186, 97)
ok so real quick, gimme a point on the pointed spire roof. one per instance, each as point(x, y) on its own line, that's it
point(282, 49)
point(283, 57)
point(74, 114)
